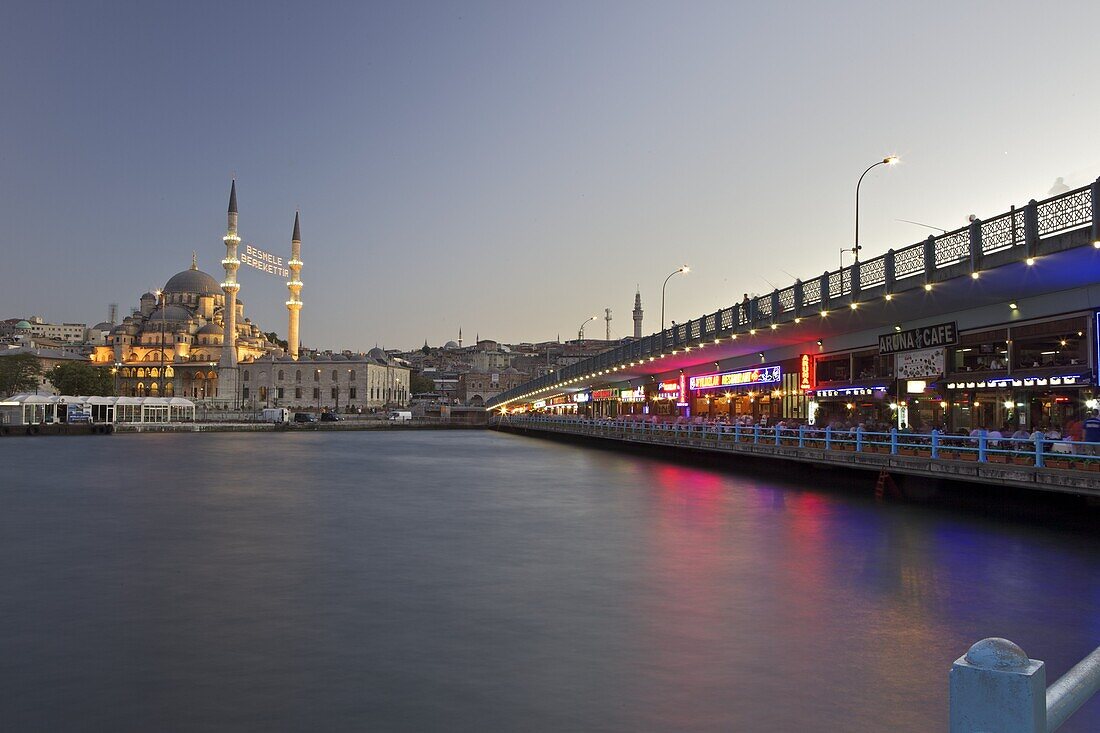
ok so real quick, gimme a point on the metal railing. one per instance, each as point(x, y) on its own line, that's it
point(995, 686)
point(1039, 451)
point(1019, 230)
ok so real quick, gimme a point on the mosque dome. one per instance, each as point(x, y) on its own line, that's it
point(377, 353)
point(169, 313)
point(193, 281)
point(338, 357)
point(148, 296)
point(288, 357)
point(210, 328)
point(103, 326)
point(450, 345)
point(23, 325)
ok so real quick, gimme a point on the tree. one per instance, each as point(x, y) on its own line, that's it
point(419, 384)
point(274, 338)
point(82, 378)
point(19, 373)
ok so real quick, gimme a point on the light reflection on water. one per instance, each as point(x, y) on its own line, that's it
point(478, 581)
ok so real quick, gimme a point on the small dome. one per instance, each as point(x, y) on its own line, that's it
point(103, 326)
point(450, 345)
point(192, 281)
point(338, 357)
point(511, 370)
point(210, 328)
point(148, 296)
point(377, 353)
point(23, 325)
point(170, 313)
point(357, 357)
point(288, 357)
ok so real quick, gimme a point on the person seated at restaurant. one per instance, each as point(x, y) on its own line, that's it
point(1054, 433)
point(1021, 434)
point(996, 364)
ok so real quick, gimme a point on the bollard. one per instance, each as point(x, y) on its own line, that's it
point(893, 441)
point(996, 687)
point(935, 443)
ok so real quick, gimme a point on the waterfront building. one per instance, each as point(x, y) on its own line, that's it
point(340, 382)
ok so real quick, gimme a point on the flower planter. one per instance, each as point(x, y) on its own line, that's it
point(924, 452)
point(1058, 463)
point(951, 455)
point(907, 452)
point(1023, 461)
point(998, 458)
point(968, 456)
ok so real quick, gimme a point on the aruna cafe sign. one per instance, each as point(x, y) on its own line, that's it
point(915, 339)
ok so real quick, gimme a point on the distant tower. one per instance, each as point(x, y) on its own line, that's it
point(460, 337)
point(294, 305)
point(607, 317)
point(638, 314)
point(112, 313)
point(227, 367)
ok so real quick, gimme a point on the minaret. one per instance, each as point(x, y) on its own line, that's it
point(638, 314)
point(294, 305)
point(460, 337)
point(227, 367)
point(607, 317)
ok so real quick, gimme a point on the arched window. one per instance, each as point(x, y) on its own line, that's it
point(298, 376)
point(280, 375)
point(316, 375)
point(152, 372)
point(351, 374)
point(140, 373)
point(334, 375)
point(141, 389)
point(246, 375)
point(211, 375)
point(169, 372)
point(154, 390)
point(169, 390)
point(126, 373)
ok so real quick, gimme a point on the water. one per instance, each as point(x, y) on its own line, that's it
point(471, 581)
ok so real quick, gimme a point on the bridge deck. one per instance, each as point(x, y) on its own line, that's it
point(869, 456)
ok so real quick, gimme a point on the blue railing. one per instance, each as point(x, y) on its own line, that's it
point(1019, 230)
point(1040, 451)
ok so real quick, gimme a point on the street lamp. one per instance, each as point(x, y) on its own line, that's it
point(685, 268)
point(580, 331)
point(317, 381)
point(888, 160)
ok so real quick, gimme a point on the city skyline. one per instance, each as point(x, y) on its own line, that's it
point(438, 189)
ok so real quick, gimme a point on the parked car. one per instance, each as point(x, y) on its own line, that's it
point(401, 416)
point(304, 417)
point(330, 417)
point(279, 415)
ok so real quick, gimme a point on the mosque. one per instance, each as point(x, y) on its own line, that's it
point(191, 339)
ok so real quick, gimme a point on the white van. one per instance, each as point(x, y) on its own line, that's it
point(400, 416)
point(279, 415)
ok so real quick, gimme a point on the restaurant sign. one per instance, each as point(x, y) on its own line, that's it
point(806, 373)
point(916, 339)
point(605, 394)
point(632, 395)
point(742, 378)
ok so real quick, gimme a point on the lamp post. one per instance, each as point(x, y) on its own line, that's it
point(685, 268)
point(580, 331)
point(317, 381)
point(888, 160)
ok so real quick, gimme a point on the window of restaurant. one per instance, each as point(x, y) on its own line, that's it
point(1050, 344)
point(872, 365)
point(833, 368)
point(986, 351)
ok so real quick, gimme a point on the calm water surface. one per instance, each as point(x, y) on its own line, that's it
point(470, 581)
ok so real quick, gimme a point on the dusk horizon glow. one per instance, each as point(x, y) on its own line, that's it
point(510, 171)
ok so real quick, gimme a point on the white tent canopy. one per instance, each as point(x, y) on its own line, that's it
point(32, 409)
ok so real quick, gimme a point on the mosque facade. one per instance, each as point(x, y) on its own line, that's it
point(191, 339)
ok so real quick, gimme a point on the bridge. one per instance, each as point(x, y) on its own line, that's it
point(1028, 252)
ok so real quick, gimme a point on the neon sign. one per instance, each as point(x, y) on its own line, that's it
point(633, 395)
point(582, 397)
point(806, 373)
point(264, 261)
point(605, 394)
point(742, 378)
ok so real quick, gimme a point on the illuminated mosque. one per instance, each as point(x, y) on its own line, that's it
point(191, 339)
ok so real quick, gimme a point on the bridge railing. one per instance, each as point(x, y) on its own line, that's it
point(1019, 230)
point(995, 686)
point(1039, 451)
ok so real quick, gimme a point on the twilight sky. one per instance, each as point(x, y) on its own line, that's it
point(512, 168)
